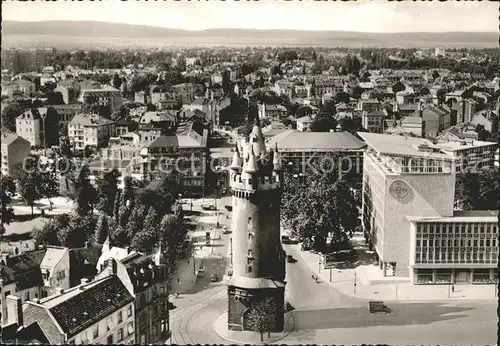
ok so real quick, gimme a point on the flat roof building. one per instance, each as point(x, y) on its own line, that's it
point(408, 197)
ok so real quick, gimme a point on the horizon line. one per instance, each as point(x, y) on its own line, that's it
point(256, 29)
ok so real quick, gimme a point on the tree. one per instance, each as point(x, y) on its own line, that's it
point(9, 115)
point(435, 74)
point(54, 98)
point(477, 189)
point(325, 209)
point(30, 181)
point(7, 191)
point(85, 193)
point(342, 97)
point(397, 87)
point(146, 239)
point(323, 123)
point(107, 187)
point(47, 234)
point(102, 229)
point(424, 91)
point(441, 95)
point(79, 230)
point(261, 316)
point(116, 81)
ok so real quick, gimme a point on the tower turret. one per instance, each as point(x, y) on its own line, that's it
point(236, 164)
point(251, 165)
point(276, 159)
point(257, 140)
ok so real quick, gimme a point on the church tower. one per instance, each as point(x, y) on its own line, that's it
point(258, 259)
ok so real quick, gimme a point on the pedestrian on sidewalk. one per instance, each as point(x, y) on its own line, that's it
point(453, 288)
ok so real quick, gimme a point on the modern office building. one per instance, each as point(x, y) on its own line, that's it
point(409, 217)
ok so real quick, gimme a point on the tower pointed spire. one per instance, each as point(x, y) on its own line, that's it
point(276, 158)
point(236, 163)
point(251, 165)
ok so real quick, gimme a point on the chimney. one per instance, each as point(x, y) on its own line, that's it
point(112, 266)
point(5, 258)
point(14, 310)
point(87, 244)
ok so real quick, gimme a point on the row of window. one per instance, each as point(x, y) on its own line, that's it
point(457, 243)
point(456, 229)
point(456, 256)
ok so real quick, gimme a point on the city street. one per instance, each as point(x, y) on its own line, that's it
point(323, 315)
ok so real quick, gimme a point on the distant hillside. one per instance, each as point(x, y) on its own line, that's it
point(88, 34)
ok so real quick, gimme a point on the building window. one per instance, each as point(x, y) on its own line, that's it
point(110, 339)
point(85, 338)
point(95, 331)
point(120, 317)
point(27, 296)
point(129, 311)
point(130, 328)
point(120, 335)
point(250, 253)
point(109, 324)
point(249, 269)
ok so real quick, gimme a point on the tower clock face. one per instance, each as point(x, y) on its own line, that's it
point(399, 189)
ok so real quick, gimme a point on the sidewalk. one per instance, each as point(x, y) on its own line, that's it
point(370, 284)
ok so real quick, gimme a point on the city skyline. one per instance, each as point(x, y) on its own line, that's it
point(364, 16)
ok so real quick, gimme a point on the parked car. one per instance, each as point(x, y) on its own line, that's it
point(208, 207)
point(214, 277)
point(201, 271)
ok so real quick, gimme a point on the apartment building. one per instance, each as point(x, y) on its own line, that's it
point(40, 126)
point(186, 153)
point(106, 97)
point(14, 150)
point(374, 121)
point(146, 278)
point(89, 130)
point(96, 312)
point(470, 154)
point(415, 231)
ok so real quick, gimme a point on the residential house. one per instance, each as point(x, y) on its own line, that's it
point(14, 150)
point(146, 279)
point(284, 87)
point(163, 121)
point(369, 105)
point(436, 118)
point(141, 97)
point(405, 97)
point(304, 123)
point(187, 92)
point(106, 97)
point(485, 118)
point(25, 86)
point(168, 104)
point(413, 125)
point(33, 274)
point(186, 153)
point(121, 127)
point(207, 106)
point(466, 109)
point(404, 110)
point(69, 93)
point(96, 312)
point(275, 111)
point(302, 91)
point(89, 130)
point(66, 112)
point(374, 121)
point(40, 126)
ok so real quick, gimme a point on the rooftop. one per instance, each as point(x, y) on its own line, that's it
point(316, 141)
point(23, 269)
point(461, 216)
point(455, 145)
point(400, 145)
point(89, 120)
point(84, 305)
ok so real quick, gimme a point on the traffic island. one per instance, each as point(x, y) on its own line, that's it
point(248, 337)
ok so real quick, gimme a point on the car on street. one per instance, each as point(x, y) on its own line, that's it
point(214, 277)
point(208, 207)
point(201, 271)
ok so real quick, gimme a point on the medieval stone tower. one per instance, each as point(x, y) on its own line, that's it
point(257, 285)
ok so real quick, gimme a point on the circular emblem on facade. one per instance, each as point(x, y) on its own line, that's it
point(399, 189)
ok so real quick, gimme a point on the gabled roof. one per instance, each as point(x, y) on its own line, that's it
point(89, 120)
point(8, 138)
point(81, 307)
point(23, 269)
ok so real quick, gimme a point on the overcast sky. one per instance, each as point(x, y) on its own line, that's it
point(363, 15)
